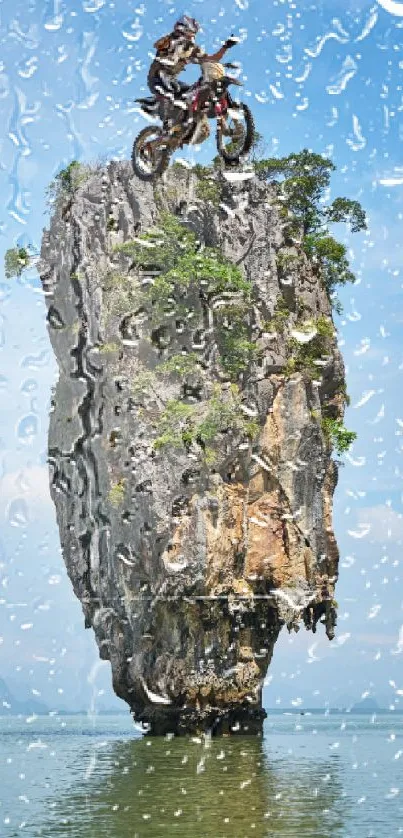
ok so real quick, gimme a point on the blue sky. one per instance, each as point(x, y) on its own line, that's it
point(327, 75)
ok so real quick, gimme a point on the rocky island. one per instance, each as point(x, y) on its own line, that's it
point(201, 393)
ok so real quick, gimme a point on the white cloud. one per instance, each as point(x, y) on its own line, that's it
point(384, 523)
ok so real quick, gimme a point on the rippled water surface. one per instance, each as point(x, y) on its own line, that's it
point(311, 777)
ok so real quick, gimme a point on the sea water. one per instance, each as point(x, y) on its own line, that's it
point(310, 776)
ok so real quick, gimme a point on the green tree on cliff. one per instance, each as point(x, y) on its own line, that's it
point(18, 259)
point(305, 178)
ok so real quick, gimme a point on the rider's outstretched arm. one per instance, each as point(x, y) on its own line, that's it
point(217, 56)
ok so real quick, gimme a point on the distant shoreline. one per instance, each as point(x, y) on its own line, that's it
point(271, 711)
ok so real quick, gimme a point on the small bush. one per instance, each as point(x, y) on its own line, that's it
point(109, 348)
point(117, 493)
point(143, 382)
point(341, 390)
point(325, 327)
point(201, 171)
point(286, 261)
point(175, 427)
point(331, 257)
point(280, 317)
point(177, 166)
point(120, 293)
point(161, 247)
point(183, 424)
point(16, 260)
point(337, 435)
point(236, 351)
point(67, 181)
point(303, 356)
point(209, 191)
point(183, 364)
point(112, 225)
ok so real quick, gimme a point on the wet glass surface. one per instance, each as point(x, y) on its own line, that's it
point(327, 75)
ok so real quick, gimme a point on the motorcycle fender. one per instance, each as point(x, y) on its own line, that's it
point(148, 115)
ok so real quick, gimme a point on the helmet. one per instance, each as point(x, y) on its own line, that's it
point(187, 24)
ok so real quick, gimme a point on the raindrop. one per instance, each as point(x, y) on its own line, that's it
point(27, 428)
point(28, 67)
point(4, 86)
point(36, 362)
point(54, 20)
point(93, 6)
point(373, 17)
point(134, 31)
point(363, 530)
point(359, 142)
point(5, 292)
point(29, 386)
point(347, 72)
point(17, 513)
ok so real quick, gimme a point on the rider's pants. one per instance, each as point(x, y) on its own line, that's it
point(172, 90)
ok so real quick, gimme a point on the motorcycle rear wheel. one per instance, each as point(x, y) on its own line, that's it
point(237, 149)
point(148, 162)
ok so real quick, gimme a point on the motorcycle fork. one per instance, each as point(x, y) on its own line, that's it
point(222, 127)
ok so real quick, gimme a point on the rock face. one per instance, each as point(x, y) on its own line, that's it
point(186, 565)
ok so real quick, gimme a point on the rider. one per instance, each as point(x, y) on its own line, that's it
point(174, 52)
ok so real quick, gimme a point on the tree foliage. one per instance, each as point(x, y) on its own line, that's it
point(184, 270)
point(308, 356)
point(345, 210)
point(183, 425)
point(337, 435)
point(331, 256)
point(305, 179)
point(67, 181)
point(16, 260)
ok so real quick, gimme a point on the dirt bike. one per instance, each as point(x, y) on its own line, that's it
point(210, 99)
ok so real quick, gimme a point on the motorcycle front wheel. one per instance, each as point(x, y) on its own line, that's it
point(235, 138)
point(149, 158)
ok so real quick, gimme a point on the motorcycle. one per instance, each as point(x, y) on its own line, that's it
point(210, 99)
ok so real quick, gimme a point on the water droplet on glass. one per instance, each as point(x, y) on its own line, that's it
point(93, 5)
point(5, 292)
point(17, 513)
point(29, 386)
point(28, 67)
point(27, 428)
point(133, 31)
point(4, 86)
point(36, 362)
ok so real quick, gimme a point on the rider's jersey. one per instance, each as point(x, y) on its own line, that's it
point(174, 53)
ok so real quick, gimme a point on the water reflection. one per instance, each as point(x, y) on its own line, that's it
point(226, 787)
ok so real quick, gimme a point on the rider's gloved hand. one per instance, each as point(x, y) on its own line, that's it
point(231, 42)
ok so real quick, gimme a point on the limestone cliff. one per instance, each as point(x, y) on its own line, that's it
point(193, 497)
